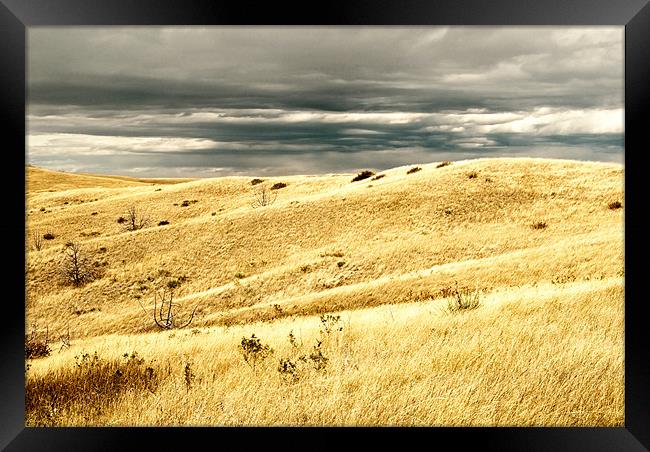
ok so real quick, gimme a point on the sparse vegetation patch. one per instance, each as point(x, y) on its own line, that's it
point(615, 205)
point(415, 169)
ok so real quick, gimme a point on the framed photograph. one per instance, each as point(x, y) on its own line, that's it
point(416, 218)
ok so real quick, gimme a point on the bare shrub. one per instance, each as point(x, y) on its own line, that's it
point(76, 267)
point(37, 240)
point(263, 197)
point(135, 219)
point(165, 311)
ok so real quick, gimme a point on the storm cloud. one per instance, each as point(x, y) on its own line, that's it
point(206, 101)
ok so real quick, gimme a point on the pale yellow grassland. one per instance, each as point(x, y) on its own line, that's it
point(545, 347)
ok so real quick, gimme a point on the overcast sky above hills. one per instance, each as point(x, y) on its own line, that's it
point(213, 101)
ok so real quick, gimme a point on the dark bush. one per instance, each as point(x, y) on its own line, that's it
point(378, 176)
point(121, 220)
point(472, 175)
point(615, 205)
point(539, 225)
point(363, 175)
point(256, 181)
point(48, 236)
point(163, 223)
point(415, 169)
point(445, 163)
point(278, 185)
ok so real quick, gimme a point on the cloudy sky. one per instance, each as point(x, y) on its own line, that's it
point(211, 101)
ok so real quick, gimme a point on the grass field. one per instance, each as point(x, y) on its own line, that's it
point(352, 287)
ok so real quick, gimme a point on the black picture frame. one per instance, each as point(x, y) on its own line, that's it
point(17, 15)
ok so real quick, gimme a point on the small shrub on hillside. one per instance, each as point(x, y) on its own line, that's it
point(256, 181)
point(48, 236)
point(189, 376)
point(363, 175)
point(378, 176)
point(445, 163)
point(319, 361)
point(37, 240)
point(330, 323)
point(136, 219)
point(288, 370)
point(615, 205)
point(121, 220)
point(278, 185)
point(415, 169)
point(472, 175)
point(539, 225)
point(253, 351)
point(263, 197)
point(163, 223)
point(76, 266)
point(36, 347)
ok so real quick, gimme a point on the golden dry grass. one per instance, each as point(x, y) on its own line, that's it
point(544, 348)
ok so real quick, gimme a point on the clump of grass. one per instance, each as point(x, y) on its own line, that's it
point(49, 236)
point(378, 176)
point(445, 163)
point(463, 300)
point(94, 213)
point(472, 175)
point(86, 390)
point(121, 220)
point(163, 223)
point(240, 275)
point(363, 175)
point(278, 185)
point(539, 225)
point(187, 202)
point(415, 169)
point(256, 181)
point(615, 205)
point(332, 254)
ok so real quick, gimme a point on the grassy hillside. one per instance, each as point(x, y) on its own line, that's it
point(538, 238)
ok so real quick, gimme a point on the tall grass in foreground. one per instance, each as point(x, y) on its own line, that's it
point(546, 356)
